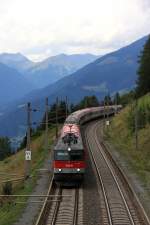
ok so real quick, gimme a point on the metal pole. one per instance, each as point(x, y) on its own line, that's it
point(136, 124)
point(28, 147)
point(107, 102)
point(46, 125)
point(86, 103)
point(104, 118)
point(116, 103)
point(57, 117)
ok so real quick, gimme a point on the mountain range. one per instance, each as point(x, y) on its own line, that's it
point(114, 72)
point(54, 68)
point(41, 74)
point(110, 73)
point(16, 61)
point(13, 85)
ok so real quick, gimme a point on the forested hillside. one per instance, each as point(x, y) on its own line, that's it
point(122, 135)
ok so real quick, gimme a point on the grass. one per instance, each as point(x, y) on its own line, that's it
point(10, 212)
point(123, 138)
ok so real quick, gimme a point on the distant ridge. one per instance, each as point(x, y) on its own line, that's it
point(16, 61)
point(12, 85)
point(48, 71)
point(56, 67)
point(111, 73)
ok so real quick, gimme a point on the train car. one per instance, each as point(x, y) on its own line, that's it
point(69, 156)
point(69, 153)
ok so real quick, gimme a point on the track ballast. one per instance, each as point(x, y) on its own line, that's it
point(118, 203)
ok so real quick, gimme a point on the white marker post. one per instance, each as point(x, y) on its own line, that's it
point(28, 155)
point(28, 147)
point(107, 123)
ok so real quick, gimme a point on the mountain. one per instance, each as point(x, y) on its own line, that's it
point(16, 61)
point(13, 85)
point(56, 67)
point(111, 73)
point(48, 71)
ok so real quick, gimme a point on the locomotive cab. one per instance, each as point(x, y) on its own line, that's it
point(69, 158)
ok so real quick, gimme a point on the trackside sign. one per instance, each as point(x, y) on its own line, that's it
point(27, 155)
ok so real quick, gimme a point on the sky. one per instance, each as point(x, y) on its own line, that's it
point(42, 28)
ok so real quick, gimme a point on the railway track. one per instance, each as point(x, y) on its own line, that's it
point(119, 204)
point(62, 207)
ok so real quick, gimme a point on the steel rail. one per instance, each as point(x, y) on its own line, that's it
point(75, 217)
point(113, 175)
point(130, 214)
point(126, 181)
point(54, 218)
point(42, 212)
point(101, 183)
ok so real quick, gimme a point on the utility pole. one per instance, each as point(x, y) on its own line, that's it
point(66, 106)
point(86, 103)
point(46, 125)
point(57, 117)
point(107, 122)
point(28, 147)
point(70, 109)
point(116, 103)
point(107, 102)
point(136, 124)
point(104, 118)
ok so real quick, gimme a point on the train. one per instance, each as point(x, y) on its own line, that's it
point(69, 155)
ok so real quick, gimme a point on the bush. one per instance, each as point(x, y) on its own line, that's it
point(7, 188)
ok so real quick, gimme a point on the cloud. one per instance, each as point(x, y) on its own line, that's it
point(48, 27)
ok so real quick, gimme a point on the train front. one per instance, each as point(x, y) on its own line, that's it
point(69, 156)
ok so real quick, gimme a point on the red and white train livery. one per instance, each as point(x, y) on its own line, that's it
point(69, 152)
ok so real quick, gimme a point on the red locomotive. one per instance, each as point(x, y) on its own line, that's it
point(69, 153)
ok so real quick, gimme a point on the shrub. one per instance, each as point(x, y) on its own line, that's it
point(7, 188)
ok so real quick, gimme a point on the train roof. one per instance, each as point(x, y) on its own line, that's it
point(62, 146)
point(70, 128)
point(76, 116)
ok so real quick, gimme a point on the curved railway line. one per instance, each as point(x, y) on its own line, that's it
point(119, 204)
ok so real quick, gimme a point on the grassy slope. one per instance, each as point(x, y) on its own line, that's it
point(124, 140)
point(15, 165)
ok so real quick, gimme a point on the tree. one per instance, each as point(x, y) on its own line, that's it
point(127, 98)
point(5, 148)
point(117, 99)
point(108, 100)
point(143, 81)
point(23, 143)
point(87, 101)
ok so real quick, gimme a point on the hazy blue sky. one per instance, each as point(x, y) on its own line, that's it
point(40, 28)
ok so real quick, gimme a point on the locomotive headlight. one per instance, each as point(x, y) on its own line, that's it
point(69, 149)
point(78, 170)
point(59, 170)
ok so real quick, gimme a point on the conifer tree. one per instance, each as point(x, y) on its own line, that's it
point(143, 82)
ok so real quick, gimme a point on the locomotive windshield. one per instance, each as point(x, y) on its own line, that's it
point(73, 155)
point(62, 155)
point(76, 155)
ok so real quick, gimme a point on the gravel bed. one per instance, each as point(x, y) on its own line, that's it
point(139, 188)
point(91, 199)
point(137, 185)
point(31, 211)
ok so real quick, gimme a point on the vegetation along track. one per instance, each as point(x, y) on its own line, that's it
point(63, 206)
point(119, 204)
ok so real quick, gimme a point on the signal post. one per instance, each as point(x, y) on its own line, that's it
point(28, 147)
